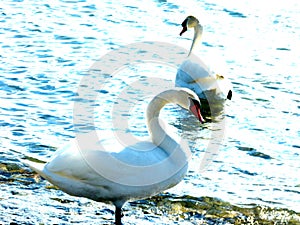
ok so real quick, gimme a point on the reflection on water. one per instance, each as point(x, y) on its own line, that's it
point(47, 49)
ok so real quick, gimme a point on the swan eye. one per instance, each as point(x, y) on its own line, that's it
point(194, 101)
point(185, 22)
point(184, 26)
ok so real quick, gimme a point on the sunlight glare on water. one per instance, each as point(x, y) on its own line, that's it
point(47, 49)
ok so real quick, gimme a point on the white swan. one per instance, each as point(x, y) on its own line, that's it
point(195, 75)
point(135, 172)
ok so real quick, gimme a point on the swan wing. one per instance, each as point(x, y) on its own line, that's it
point(98, 167)
point(197, 77)
point(190, 71)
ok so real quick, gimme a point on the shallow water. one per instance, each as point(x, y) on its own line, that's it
point(47, 49)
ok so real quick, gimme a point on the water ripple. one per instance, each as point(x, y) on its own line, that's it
point(47, 48)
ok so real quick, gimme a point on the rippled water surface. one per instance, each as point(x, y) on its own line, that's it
point(46, 50)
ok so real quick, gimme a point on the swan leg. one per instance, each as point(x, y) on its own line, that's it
point(118, 216)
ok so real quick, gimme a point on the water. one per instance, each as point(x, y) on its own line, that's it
point(46, 49)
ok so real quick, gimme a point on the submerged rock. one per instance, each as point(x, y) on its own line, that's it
point(27, 199)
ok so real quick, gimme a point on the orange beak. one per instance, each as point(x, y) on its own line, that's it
point(184, 26)
point(195, 109)
point(184, 29)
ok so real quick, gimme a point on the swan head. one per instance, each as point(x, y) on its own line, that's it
point(189, 100)
point(183, 97)
point(189, 22)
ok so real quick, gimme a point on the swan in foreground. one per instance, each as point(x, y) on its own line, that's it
point(195, 75)
point(134, 172)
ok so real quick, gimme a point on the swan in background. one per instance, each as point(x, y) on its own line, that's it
point(133, 172)
point(195, 75)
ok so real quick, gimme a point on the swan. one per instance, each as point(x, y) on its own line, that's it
point(196, 75)
point(134, 172)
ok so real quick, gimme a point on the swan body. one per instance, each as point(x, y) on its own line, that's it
point(194, 74)
point(132, 172)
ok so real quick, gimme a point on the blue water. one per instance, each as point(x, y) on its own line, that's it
point(47, 48)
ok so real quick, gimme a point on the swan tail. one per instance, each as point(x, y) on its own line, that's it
point(37, 167)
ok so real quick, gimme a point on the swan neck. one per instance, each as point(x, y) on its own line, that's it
point(178, 152)
point(197, 36)
point(158, 135)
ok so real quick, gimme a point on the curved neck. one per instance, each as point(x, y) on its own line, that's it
point(197, 36)
point(159, 137)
